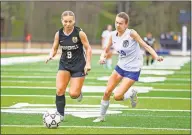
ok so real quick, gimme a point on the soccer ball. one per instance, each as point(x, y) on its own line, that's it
point(51, 119)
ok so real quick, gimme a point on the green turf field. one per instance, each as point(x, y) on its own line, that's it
point(165, 109)
point(8, 55)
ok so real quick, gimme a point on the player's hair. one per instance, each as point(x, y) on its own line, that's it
point(67, 13)
point(124, 16)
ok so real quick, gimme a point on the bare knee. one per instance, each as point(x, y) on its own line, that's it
point(74, 94)
point(118, 97)
point(107, 94)
point(60, 91)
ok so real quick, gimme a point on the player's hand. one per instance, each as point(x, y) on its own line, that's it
point(48, 59)
point(102, 60)
point(87, 68)
point(159, 58)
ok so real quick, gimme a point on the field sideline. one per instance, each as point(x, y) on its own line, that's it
point(28, 90)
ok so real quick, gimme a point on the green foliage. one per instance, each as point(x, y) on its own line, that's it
point(104, 19)
point(154, 16)
point(142, 4)
point(109, 6)
point(17, 30)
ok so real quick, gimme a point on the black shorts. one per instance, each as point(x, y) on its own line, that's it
point(75, 71)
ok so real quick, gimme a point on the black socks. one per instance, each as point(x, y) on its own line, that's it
point(60, 104)
point(152, 61)
point(147, 62)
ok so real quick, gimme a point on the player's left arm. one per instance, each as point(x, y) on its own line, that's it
point(137, 38)
point(88, 49)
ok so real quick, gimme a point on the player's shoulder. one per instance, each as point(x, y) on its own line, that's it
point(60, 30)
point(132, 31)
point(78, 29)
point(113, 33)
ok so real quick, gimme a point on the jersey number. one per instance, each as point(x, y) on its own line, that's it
point(122, 53)
point(69, 55)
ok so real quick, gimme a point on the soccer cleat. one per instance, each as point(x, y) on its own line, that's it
point(134, 98)
point(99, 119)
point(80, 98)
point(62, 118)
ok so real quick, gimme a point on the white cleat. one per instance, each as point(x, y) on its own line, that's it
point(62, 118)
point(134, 98)
point(99, 119)
point(80, 98)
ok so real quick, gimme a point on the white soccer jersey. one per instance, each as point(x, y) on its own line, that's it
point(105, 35)
point(130, 56)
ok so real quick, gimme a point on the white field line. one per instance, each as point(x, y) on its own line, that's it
point(35, 81)
point(95, 83)
point(7, 76)
point(187, 90)
point(49, 96)
point(52, 71)
point(22, 60)
point(49, 77)
point(91, 110)
point(95, 87)
point(111, 108)
point(105, 127)
point(166, 64)
point(153, 110)
point(143, 72)
point(85, 107)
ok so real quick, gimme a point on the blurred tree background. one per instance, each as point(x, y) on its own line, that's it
point(42, 19)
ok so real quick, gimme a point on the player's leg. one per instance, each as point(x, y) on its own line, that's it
point(76, 84)
point(113, 81)
point(147, 54)
point(152, 60)
point(147, 60)
point(62, 81)
point(123, 88)
point(124, 92)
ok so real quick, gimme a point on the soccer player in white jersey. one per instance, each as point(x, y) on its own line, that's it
point(104, 40)
point(126, 42)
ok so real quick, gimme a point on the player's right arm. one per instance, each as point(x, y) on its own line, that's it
point(54, 47)
point(105, 51)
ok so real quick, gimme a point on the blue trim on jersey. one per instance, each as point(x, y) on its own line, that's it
point(128, 74)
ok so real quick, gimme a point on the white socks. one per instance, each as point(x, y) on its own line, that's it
point(128, 94)
point(105, 104)
point(104, 107)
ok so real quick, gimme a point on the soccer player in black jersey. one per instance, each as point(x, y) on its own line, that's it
point(74, 63)
point(150, 41)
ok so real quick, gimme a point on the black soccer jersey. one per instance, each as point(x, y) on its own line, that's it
point(149, 41)
point(73, 56)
